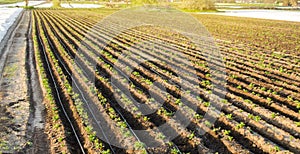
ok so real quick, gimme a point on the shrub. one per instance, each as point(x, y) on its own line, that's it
point(198, 4)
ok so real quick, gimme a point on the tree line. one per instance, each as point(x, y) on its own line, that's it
point(187, 4)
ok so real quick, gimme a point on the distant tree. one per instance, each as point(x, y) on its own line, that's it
point(225, 1)
point(199, 4)
point(141, 2)
point(26, 3)
point(290, 3)
point(56, 3)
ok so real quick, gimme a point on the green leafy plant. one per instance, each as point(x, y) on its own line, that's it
point(240, 125)
point(191, 135)
point(297, 124)
point(229, 116)
point(139, 145)
point(207, 123)
point(175, 151)
point(257, 118)
point(226, 132)
point(230, 138)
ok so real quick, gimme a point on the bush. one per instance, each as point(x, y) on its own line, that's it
point(56, 3)
point(199, 5)
point(141, 2)
point(290, 3)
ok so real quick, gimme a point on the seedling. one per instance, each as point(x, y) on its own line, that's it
point(230, 138)
point(226, 132)
point(240, 125)
point(257, 118)
point(229, 116)
point(273, 115)
point(191, 136)
point(207, 123)
point(175, 151)
point(198, 116)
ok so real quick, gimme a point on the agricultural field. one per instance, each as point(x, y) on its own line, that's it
point(87, 112)
point(260, 112)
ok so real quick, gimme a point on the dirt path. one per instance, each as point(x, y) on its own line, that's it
point(21, 110)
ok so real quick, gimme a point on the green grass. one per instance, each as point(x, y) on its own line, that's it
point(9, 1)
point(10, 71)
point(28, 7)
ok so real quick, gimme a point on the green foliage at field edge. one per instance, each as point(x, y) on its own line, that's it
point(9, 1)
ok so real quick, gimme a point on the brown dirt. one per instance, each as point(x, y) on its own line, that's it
point(17, 110)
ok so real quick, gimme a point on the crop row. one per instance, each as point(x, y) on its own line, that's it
point(246, 119)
